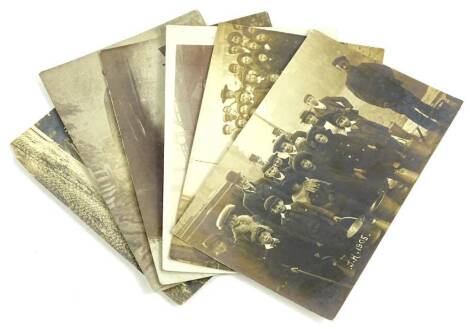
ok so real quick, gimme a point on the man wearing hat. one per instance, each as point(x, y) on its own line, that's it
point(362, 128)
point(376, 84)
point(339, 113)
point(273, 173)
point(292, 143)
point(309, 118)
point(277, 160)
point(280, 174)
point(245, 228)
point(349, 153)
point(362, 192)
point(254, 193)
point(298, 211)
point(284, 145)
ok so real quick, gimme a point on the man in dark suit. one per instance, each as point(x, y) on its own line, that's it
point(359, 192)
point(292, 143)
point(255, 193)
point(310, 224)
point(352, 152)
point(376, 84)
point(340, 113)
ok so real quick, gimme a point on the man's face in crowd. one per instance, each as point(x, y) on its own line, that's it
point(250, 78)
point(240, 123)
point(273, 171)
point(236, 39)
point(321, 138)
point(263, 57)
point(234, 68)
point(277, 162)
point(245, 98)
point(311, 101)
point(235, 49)
point(253, 45)
point(244, 109)
point(311, 119)
point(251, 30)
point(343, 122)
point(287, 147)
point(247, 60)
point(278, 208)
point(307, 164)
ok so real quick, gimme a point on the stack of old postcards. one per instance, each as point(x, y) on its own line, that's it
point(198, 150)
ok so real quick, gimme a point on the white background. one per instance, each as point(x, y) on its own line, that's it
point(54, 273)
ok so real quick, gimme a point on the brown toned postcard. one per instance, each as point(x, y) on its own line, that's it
point(245, 64)
point(80, 95)
point(48, 153)
point(306, 192)
point(188, 53)
point(135, 78)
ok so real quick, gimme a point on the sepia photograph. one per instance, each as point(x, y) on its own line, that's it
point(47, 152)
point(188, 51)
point(164, 163)
point(226, 70)
point(306, 192)
point(135, 78)
point(79, 92)
point(188, 54)
point(237, 82)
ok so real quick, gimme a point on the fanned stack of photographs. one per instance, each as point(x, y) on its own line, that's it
point(197, 150)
